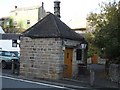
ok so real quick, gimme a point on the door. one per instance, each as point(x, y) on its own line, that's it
point(68, 55)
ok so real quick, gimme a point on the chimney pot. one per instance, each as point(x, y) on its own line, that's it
point(57, 8)
point(15, 7)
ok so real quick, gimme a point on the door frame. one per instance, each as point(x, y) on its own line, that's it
point(68, 61)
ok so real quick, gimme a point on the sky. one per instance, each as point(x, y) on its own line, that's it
point(73, 12)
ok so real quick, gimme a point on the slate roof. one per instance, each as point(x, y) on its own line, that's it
point(10, 36)
point(51, 27)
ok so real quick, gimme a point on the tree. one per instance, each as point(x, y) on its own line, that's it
point(107, 29)
point(92, 48)
point(10, 27)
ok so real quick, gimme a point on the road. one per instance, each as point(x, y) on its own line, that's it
point(10, 82)
point(15, 81)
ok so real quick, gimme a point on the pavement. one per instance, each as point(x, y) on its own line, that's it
point(82, 81)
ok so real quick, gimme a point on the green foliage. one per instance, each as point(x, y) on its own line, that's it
point(107, 29)
point(11, 24)
point(92, 48)
point(12, 28)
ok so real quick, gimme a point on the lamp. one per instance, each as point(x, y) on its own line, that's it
point(63, 48)
point(63, 45)
point(83, 45)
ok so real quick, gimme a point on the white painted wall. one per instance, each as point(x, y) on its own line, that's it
point(1, 30)
point(7, 45)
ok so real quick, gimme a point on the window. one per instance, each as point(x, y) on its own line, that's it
point(14, 43)
point(0, 53)
point(28, 21)
point(5, 53)
point(78, 54)
point(16, 13)
point(15, 23)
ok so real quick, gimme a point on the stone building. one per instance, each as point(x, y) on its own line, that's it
point(25, 17)
point(49, 50)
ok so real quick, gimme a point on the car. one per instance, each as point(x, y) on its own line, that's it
point(15, 53)
point(6, 59)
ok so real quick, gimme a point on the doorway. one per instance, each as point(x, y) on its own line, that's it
point(68, 56)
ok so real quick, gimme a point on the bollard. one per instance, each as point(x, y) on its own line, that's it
point(17, 67)
point(119, 76)
point(13, 67)
point(92, 77)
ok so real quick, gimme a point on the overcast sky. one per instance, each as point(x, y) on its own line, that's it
point(73, 12)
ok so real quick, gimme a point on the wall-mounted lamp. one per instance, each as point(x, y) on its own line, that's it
point(83, 56)
point(63, 48)
point(63, 45)
point(83, 45)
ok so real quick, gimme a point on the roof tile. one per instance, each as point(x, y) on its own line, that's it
point(52, 27)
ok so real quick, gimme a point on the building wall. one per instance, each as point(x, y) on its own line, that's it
point(44, 57)
point(7, 45)
point(73, 44)
point(21, 15)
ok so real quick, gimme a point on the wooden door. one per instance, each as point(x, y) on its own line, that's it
point(68, 55)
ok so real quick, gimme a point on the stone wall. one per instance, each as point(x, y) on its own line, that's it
point(114, 72)
point(44, 57)
point(73, 43)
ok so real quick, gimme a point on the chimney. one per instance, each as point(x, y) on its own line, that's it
point(15, 7)
point(42, 5)
point(57, 8)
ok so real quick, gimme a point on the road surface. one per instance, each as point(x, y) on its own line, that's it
point(10, 82)
point(19, 83)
